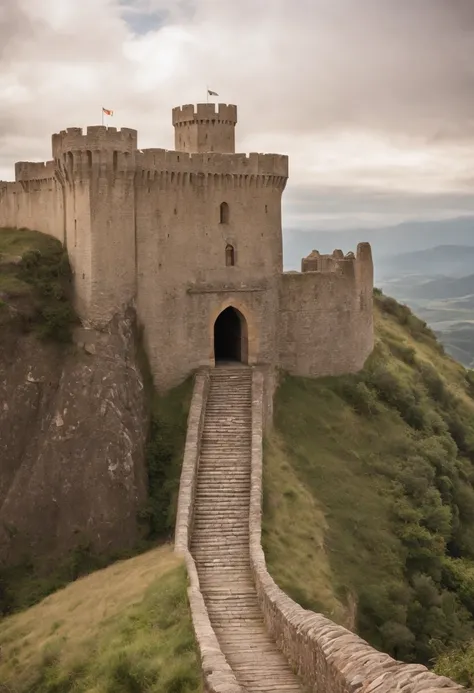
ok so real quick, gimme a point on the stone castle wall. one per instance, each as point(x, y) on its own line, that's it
point(33, 204)
point(326, 318)
point(183, 280)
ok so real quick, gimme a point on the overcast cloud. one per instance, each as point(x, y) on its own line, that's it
point(372, 99)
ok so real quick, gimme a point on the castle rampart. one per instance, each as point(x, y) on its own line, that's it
point(96, 137)
point(326, 318)
point(205, 112)
point(213, 163)
point(34, 170)
point(33, 204)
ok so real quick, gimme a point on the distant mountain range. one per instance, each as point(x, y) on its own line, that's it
point(445, 288)
point(386, 242)
point(443, 260)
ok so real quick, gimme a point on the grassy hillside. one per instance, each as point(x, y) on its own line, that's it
point(121, 630)
point(369, 498)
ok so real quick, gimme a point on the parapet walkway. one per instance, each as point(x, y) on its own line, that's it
point(220, 537)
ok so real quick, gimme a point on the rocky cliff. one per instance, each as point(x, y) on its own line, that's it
point(73, 425)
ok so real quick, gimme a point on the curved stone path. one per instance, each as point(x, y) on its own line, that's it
point(220, 537)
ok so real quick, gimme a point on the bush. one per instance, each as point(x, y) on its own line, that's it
point(49, 275)
point(360, 397)
point(163, 456)
point(403, 352)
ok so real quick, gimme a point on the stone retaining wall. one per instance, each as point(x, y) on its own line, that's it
point(217, 674)
point(328, 657)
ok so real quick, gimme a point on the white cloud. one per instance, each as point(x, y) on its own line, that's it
point(371, 94)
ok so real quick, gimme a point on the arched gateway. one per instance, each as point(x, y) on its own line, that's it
point(230, 336)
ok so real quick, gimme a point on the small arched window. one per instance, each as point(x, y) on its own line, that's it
point(229, 255)
point(224, 213)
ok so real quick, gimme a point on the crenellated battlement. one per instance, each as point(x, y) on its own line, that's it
point(95, 138)
point(204, 112)
point(34, 170)
point(212, 163)
point(80, 164)
point(336, 261)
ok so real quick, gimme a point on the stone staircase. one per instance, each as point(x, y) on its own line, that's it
point(220, 537)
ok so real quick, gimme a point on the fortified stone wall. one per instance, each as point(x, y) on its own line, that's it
point(33, 203)
point(34, 170)
point(326, 314)
point(182, 234)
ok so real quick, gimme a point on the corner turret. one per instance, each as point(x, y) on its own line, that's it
point(203, 129)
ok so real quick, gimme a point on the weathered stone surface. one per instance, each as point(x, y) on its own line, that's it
point(217, 674)
point(72, 432)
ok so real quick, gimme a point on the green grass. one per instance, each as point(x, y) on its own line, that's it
point(368, 493)
point(125, 629)
point(35, 267)
point(15, 242)
point(164, 457)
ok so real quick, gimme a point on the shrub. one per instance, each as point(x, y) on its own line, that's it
point(401, 351)
point(360, 397)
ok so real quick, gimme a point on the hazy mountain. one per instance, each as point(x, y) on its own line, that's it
point(408, 237)
point(446, 260)
point(444, 288)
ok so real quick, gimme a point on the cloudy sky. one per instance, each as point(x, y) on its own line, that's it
point(372, 99)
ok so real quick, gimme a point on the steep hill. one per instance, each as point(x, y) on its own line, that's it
point(123, 629)
point(369, 493)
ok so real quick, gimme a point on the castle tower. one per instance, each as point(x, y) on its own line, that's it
point(203, 129)
point(96, 170)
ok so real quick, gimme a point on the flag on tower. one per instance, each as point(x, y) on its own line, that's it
point(107, 111)
point(212, 93)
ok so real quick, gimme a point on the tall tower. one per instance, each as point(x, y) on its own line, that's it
point(204, 129)
point(97, 172)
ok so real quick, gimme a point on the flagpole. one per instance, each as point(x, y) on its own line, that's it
point(102, 115)
point(207, 94)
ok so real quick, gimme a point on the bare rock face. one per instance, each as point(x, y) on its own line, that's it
point(72, 437)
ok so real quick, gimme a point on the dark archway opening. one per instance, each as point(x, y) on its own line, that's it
point(230, 336)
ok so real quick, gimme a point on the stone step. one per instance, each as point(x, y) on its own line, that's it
point(220, 536)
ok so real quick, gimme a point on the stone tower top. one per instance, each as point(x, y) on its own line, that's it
point(205, 129)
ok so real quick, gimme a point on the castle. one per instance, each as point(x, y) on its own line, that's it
point(193, 239)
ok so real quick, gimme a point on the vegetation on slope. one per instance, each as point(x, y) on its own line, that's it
point(369, 498)
point(121, 630)
point(35, 284)
point(164, 457)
